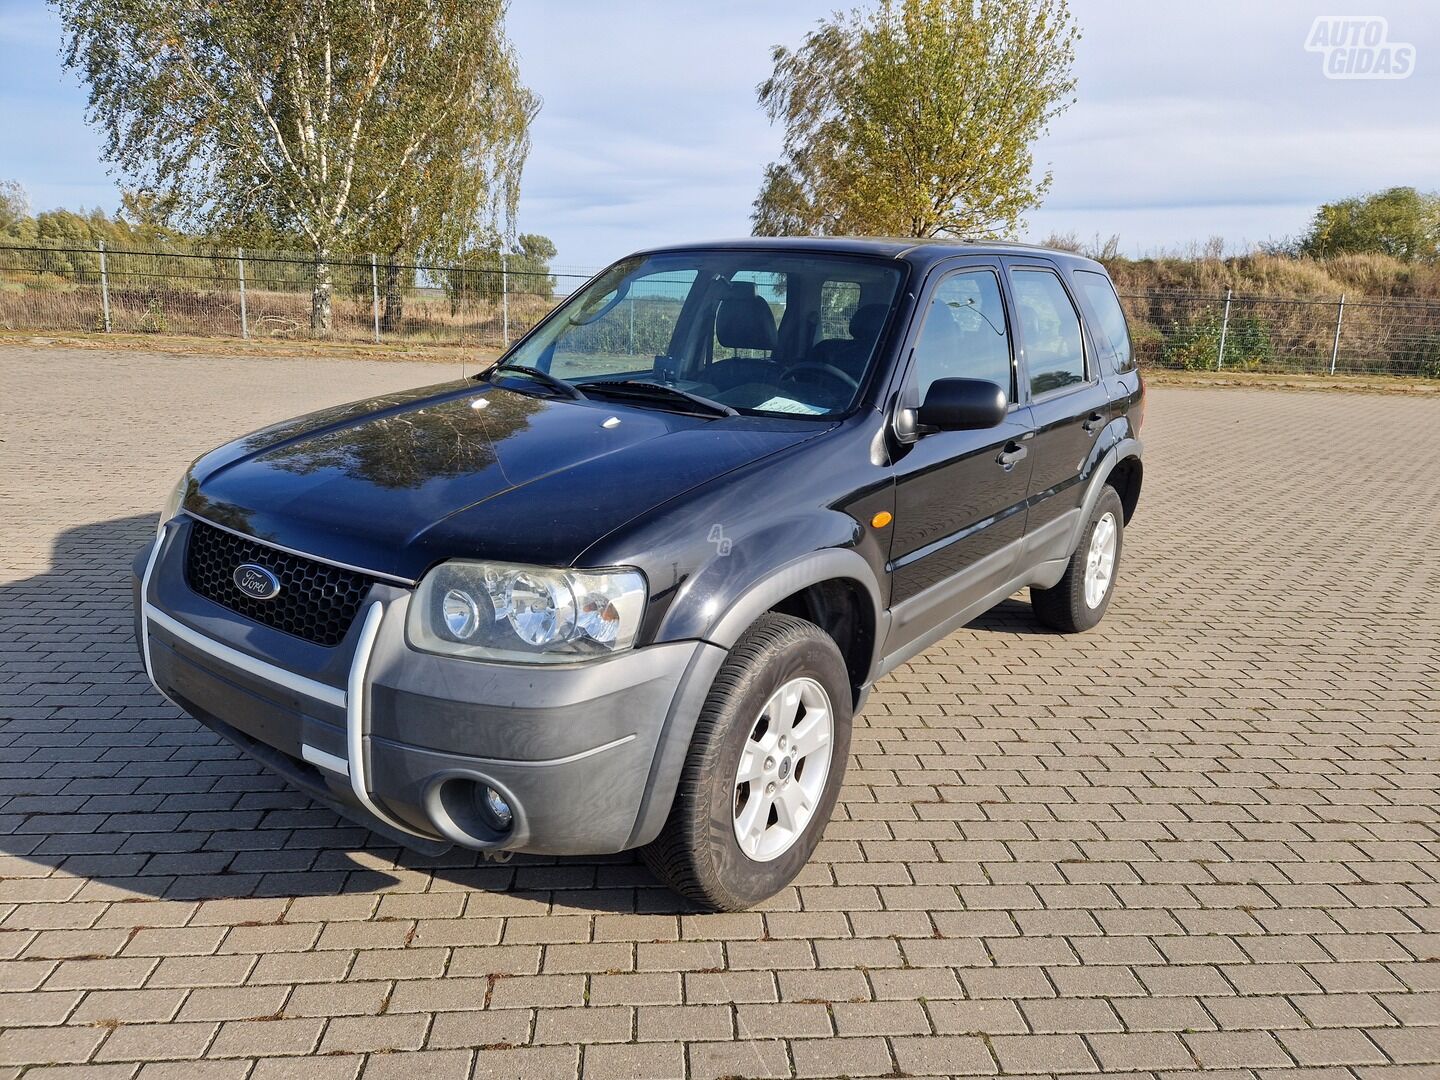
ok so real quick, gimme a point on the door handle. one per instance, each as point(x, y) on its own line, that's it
point(1012, 453)
point(1092, 422)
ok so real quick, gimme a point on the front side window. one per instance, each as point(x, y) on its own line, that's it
point(1050, 330)
point(965, 335)
point(751, 330)
point(1107, 318)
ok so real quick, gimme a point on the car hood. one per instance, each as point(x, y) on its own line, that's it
point(397, 483)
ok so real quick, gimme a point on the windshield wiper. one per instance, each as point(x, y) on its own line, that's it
point(569, 389)
point(640, 388)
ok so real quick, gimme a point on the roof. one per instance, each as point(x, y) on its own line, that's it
point(910, 249)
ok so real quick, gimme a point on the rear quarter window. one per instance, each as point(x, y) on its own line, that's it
point(1106, 317)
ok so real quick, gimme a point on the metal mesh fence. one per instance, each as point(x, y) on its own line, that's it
point(271, 295)
point(491, 302)
point(1343, 334)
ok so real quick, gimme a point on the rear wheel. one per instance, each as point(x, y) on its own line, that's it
point(1080, 599)
point(764, 768)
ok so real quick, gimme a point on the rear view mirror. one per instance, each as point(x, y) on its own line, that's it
point(963, 405)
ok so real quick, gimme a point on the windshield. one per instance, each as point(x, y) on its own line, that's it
point(762, 332)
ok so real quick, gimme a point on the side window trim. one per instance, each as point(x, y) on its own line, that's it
point(1091, 360)
point(933, 285)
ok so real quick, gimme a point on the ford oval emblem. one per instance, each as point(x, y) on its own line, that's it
point(256, 582)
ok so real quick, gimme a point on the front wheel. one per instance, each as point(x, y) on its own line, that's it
point(1080, 599)
point(764, 768)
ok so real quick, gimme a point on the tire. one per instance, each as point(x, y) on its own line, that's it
point(1066, 607)
point(698, 852)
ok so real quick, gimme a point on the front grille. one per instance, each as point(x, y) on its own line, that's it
point(316, 601)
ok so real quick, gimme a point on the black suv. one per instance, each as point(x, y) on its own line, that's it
point(629, 586)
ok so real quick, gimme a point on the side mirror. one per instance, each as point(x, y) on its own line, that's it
point(962, 405)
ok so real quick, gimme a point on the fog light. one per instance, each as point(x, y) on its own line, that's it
point(499, 809)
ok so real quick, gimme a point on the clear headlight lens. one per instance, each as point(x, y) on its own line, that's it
point(172, 504)
point(499, 611)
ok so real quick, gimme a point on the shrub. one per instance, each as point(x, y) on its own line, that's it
point(1426, 355)
point(1195, 345)
point(153, 321)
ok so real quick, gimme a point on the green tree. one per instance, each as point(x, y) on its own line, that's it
point(14, 210)
point(476, 274)
point(916, 119)
point(1399, 221)
point(325, 120)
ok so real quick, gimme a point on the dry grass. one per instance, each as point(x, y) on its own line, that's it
point(181, 345)
point(45, 302)
point(1362, 384)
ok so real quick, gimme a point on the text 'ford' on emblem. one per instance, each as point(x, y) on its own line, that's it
point(256, 582)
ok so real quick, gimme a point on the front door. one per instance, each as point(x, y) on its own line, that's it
point(959, 495)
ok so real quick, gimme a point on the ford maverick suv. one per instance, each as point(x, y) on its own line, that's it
point(629, 587)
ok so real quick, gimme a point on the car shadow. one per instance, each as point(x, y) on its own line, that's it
point(1011, 617)
point(102, 779)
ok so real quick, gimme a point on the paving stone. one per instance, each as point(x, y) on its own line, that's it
point(368, 1034)
point(157, 1042)
point(841, 1057)
point(38, 1046)
point(335, 1067)
point(635, 1061)
point(528, 1063)
point(431, 1064)
point(939, 1055)
point(590, 1024)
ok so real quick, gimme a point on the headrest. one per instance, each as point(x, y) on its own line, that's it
point(865, 324)
point(744, 320)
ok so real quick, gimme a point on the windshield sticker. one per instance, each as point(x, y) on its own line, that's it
point(790, 405)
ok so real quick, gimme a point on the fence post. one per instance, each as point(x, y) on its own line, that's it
point(1224, 330)
point(244, 315)
point(504, 301)
point(375, 295)
point(632, 325)
point(1339, 321)
point(104, 287)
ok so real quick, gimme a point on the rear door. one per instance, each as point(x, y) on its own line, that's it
point(959, 495)
point(1069, 402)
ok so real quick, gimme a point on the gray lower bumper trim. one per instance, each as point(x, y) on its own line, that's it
point(352, 699)
point(244, 661)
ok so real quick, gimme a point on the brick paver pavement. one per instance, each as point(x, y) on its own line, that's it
point(1203, 837)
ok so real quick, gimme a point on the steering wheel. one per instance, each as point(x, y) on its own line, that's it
point(829, 371)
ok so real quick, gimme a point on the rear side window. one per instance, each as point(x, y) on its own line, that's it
point(1050, 331)
point(1107, 320)
point(838, 302)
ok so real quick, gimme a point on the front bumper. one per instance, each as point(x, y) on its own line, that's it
point(587, 755)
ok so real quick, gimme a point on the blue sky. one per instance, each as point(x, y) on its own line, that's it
point(1193, 120)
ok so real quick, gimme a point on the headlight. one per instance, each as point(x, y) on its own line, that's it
point(498, 611)
point(172, 504)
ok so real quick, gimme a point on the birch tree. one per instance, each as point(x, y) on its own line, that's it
point(916, 118)
point(327, 120)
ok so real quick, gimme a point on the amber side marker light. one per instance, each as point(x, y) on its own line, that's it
point(880, 520)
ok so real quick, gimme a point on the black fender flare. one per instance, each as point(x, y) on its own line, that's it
point(790, 578)
point(1127, 447)
point(721, 634)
